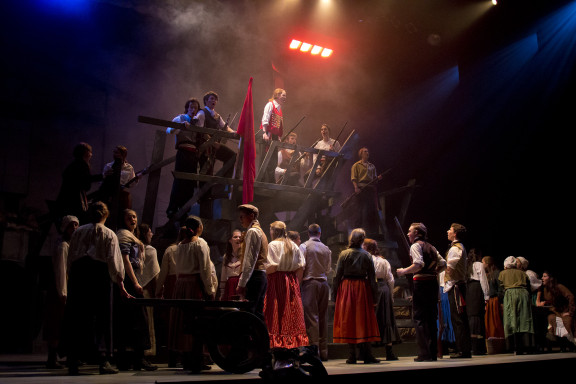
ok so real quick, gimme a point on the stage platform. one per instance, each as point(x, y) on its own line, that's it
point(29, 369)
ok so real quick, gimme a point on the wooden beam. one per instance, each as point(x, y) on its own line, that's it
point(153, 178)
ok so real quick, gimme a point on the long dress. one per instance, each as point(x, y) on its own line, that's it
point(493, 320)
point(476, 297)
point(445, 329)
point(355, 289)
point(517, 320)
point(147, 281)
point(95, 263)
point(132, 331)
point(384, 304)
point(194, 281)
point(283, 309)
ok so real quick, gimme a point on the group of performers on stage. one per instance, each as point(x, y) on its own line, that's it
point(196, 153)
point(107, 232)
point(106, 258)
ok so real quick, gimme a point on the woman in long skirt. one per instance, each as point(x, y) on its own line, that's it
point(389, 334)
point(355, 291)
point(493, 320)
point(283, 309)
point(518, 324)
point(132, 332)
point(195, 281)
point(476, 298)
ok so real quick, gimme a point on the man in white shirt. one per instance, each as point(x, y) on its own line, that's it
point(273, 128)
point(253, 252)
point(455, 286)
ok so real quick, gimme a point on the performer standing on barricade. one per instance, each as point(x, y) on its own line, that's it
point(363, 178)
point(209, 118)
point(273, 127)
point(187, 156)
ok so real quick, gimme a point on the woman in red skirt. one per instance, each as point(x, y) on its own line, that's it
point(355, 289)
point(283, 310)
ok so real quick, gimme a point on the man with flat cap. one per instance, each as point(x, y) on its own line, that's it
point(253, 251)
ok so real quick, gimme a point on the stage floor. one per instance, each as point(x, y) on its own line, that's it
point(29, 369)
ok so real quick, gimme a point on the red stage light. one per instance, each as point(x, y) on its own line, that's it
point(295, 44)
point(305, 47)
point(311, 48)
point(326, 52)
point(316, 49)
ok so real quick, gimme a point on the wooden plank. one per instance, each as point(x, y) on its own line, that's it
point(193, 128)
point(257, 184)
point(153, 178)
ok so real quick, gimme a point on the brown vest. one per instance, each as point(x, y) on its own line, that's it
point(459, 272)
point(262, 253)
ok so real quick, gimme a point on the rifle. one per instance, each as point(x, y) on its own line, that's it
point(405, 259)
point(148, 169)
point(379, 177)
point(290, 131)
point(213, 139)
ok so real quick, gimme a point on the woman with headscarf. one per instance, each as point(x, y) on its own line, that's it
point(514, 289)
point(354, 292)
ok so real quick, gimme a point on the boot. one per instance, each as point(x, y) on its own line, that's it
point(390, 353)
point(367, 352)
point(52, 362)
point(352, 354)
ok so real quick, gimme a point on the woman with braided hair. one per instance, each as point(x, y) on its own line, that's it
point(283, 310)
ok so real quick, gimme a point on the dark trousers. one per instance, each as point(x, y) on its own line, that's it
point(223, 153)
point(367, 210)
point(183, 190)
point(425, 314)
point(256, 291)
point(87, 324)
point(460, 320)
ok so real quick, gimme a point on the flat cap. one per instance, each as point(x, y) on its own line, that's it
point(248, 207)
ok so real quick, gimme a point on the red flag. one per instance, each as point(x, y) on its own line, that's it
point(246, 129)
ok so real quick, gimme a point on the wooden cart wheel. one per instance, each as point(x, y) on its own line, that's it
point(239, 342)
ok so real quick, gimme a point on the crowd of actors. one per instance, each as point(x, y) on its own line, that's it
point(285, 282)
point(105, 259)
point(465, 303)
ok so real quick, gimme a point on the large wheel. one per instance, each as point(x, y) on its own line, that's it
point(239, 342)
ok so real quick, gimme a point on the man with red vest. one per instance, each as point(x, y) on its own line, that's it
point(273, 128)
